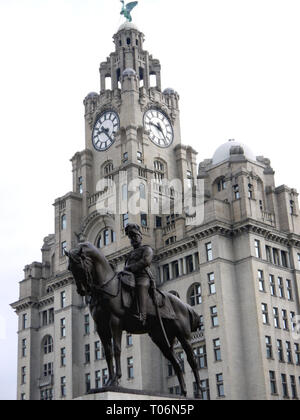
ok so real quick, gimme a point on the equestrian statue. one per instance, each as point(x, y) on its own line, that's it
point(129, 301)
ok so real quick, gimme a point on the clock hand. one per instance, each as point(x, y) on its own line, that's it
point(105, 131)
point(162, 132)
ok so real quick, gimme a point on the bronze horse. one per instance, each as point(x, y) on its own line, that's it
point(96, 279)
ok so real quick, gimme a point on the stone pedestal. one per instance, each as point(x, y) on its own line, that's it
point(125, 394)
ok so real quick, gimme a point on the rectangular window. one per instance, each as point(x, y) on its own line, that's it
point(272, 285)
point(268, 253)
point(51, 315)
point(293, 387)
point(201, 323)
point(175, 269)
point(140, 157)
point(284, 259)
point(211, 283)
point(98, 379)
point(214, 316)
point(44, 318)
point(97, 350)
point(87, 354)
point(130, 368)
point(257, 248)
point(63, 356)
point(129, 341)
point(261, 281)
point(297, 353)
point(24, 347)
point(24, 321)
point(209, 255)
point(204, 384)
point(48, 369)
point(281, 287)
point(86, 324)
point(217, 349)
point(280, 351)
point(170, 369)
point(63, 299)
point(189, 264)
point(201, 357)
point(63, 390)
point(236, 192)
point(144, 221)
point(265, 315)
point(104, 376)
point(158, 221)
point(269, 350)
point(63, 327)
point(220, 384)
point(23, 375)
point(87, 382)
point(80, 185)
point(292, 319)
point(166, 271)
point(276, 259)
point(289, 357)
point(125, 220)
point(289, 291)
point(285, 392)
point(125, 157)
point(276, 318)
point(250, 191)
point(273, 386)
point(298, 258)
point(285, 325)
point(63, 248)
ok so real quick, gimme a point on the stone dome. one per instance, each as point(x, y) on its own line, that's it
point(169, 91)
point(129, 72)
point(128, 26)
point(91, 95)
point(232, 147)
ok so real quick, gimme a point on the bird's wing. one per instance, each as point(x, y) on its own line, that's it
point(131, 5)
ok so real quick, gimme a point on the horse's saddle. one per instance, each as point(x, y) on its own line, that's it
point(127, 283)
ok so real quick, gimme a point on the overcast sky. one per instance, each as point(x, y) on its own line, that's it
point(234, 63)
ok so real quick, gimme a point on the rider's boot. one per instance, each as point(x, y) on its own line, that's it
point(142, 295)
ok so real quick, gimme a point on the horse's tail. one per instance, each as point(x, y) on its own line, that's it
point(195, 319)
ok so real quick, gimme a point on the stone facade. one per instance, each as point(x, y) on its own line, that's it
point(239, 268)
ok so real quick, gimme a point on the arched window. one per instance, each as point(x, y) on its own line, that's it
point(194, 295)
point(106, 237)
point(47, 344)
point(108, 168)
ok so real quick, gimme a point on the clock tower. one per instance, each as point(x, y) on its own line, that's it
point(133, 140)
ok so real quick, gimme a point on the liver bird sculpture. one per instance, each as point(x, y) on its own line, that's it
point(127, 9)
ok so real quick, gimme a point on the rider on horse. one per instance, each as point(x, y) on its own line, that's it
point(137, 262)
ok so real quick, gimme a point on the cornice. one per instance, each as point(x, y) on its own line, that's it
point(24, 304)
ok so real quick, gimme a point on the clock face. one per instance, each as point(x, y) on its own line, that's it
point(105, 130)
point(159, 127)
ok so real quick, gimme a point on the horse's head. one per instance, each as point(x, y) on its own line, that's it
point(81, 263)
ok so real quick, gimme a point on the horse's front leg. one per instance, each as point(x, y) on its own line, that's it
point(117, 343)
point(105, 337)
